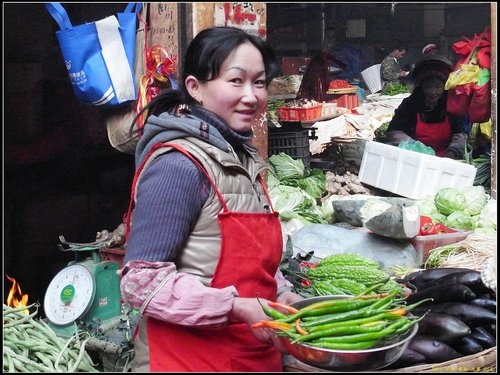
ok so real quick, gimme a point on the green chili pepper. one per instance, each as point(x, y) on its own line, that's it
point(354, 338)
point(391, 314)
point(343, 316)
point(344, 346)
point(329, 308)
point(349, 330)
point(272, 313)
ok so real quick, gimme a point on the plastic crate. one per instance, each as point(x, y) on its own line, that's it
point(294, 143)
point(329, 109)
point(300, 113)
point(411, 174)
point(348, 101)
point(424, 244)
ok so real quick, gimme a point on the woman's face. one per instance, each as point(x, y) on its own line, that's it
point(239, 94)
point(433, 89)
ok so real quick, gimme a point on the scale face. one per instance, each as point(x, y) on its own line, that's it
point(70, 295)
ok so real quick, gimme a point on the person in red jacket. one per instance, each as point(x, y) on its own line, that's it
point(423, 115)
point(316, 79)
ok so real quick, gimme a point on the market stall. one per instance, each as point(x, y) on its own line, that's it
point(390, 206)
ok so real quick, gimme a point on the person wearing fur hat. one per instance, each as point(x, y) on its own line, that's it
point(430, 49)
point(423, 116)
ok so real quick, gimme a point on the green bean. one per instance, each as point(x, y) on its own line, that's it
point(80, 356)
point(10, 362)
point(44, 360)
point(22, 361)
point(19, 321)
point(8, 309)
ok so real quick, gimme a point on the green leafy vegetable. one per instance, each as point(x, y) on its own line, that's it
point(394, 89)
point(284, 167)
point(295, 190)
point(449, 199)
point(475, 198)
point(487, 221)
point(460, 220)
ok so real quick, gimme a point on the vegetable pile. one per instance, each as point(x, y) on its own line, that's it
point(295, 191)
point(30, 345)
point(360, 322)
point(466, 209)
point(340, 84)
point(394, 89)
point(458, 315)
point(350, 274)
point(342, 274)
point(472, 252)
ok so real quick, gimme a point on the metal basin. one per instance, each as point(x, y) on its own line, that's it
point(348, 360)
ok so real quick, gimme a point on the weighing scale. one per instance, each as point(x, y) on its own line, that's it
point(85, 293)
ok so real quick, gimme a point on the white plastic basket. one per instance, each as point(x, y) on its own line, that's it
point(372, 78)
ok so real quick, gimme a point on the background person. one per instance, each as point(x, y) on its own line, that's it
point(423, 117)
point(390, 70)
point(316, 79)
point(204, 242)
point(430, 49)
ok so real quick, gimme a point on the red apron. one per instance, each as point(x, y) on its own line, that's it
point(435, 135)
point(251, 250)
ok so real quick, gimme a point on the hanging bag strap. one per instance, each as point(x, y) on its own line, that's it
point(60, 15)
point(130, 8)
point(57, 12)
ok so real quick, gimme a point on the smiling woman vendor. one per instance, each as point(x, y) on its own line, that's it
point(423, 115)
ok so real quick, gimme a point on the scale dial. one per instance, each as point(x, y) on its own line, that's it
point(70, 295)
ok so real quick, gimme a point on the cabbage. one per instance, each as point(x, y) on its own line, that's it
point(460, 220)
point(487, 220)
point(427, 207)
point(314, 183)
point(449, 199)
point(475, 198)
point(284, 167)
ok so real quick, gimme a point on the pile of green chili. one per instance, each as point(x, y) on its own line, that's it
point(356, 323)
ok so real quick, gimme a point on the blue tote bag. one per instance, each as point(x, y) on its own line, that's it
point(99, 56)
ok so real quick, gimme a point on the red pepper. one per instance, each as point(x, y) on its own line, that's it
point(305, 283)
point(426, 226)
point(427, 229)
point(441, 228)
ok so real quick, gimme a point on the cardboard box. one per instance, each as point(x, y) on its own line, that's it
point(424, 244)
point(411, 174)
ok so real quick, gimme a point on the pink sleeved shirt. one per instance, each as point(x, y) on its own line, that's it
point(157, 290)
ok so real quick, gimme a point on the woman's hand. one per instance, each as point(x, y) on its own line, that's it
point(288, 298)
point(249, 310)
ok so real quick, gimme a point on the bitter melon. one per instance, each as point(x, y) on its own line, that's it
point(363, 274)
point(350, 259)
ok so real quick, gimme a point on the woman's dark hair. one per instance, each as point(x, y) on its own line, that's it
point(204, 58)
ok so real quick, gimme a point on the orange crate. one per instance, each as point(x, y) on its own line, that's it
point(348, 101)
point(300, 113)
